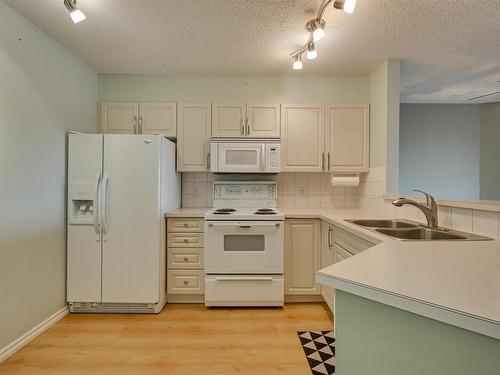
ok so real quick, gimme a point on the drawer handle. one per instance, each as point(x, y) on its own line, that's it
point(186, 225)
point(186, 259)
point(186, 240)
point(229, 278)
point(185, 282)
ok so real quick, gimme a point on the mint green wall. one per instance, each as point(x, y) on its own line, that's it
point(256, 89)
point(376, 339)
point(44, 92)
point(490, 151)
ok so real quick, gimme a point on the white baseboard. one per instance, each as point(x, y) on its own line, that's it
point(17, 344)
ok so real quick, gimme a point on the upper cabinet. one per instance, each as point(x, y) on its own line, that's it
point(138, 118)
point(158, 118)
point(243, 120)
point(302, 138)
point(311, 143)
point(347, 138)
point(192, 137)
point(119, 117)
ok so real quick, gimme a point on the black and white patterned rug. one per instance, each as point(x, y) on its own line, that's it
point(319, 347)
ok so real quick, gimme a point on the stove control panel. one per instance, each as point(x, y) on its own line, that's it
point(245, 193)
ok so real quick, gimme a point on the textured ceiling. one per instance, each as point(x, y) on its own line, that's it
point(450, 49)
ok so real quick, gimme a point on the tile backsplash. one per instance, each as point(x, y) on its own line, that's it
point(295, 190)
point(313, 190)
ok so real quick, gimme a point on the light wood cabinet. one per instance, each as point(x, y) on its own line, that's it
point(302, 138)
point(228, 119)
point(327, 259)
point(158, 118)
point(119, 117)
point(302, 256)
point(347, 138)
point(138, 118)
point(185, 263)
point(243, 120)
point(193, 132)
point(263, 120)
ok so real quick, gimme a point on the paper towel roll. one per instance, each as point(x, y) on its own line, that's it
point(345, 180)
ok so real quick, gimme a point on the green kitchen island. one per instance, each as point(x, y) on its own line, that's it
point(414, 308)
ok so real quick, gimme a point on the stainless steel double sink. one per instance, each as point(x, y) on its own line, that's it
point(411, 230)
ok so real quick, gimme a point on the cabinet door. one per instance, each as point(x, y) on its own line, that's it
point(302, 138)
point(263, 120)
point(347, 138)
point(302, 256)
point(192, 137)
point(228, 119)
point(119, 118)
point(158, 118)
point(327, 259)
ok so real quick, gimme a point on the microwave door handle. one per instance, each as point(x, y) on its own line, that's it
point(248, 226)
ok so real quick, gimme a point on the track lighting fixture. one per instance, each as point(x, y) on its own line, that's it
point(75, 13)
point(316, 28)
point(311, 51)
point(297, 62)
point(346, 5)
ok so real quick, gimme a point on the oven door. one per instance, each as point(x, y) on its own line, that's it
point(244, 247)
point(241, 157)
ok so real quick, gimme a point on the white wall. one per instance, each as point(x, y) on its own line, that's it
point(44, 91)
point(278, 89)
point(439, 151)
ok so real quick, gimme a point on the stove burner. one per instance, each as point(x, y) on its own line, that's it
point(265, 211)
point(225, 210)
point(221, 213)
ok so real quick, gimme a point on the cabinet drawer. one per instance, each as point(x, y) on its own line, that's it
point(185, 239)
point(244, 290)
point(350, 242)
point(185, 282)
point(185, 258)
point(185, 224)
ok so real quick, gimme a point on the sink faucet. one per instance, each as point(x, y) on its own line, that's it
point(429, 209)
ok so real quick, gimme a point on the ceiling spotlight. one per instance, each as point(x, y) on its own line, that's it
point(346, 5)
point(311, 51)
point(297, 62)
point(75, 13)
point(317, 27)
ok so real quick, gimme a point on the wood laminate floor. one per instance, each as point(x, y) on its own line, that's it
point(182, 339)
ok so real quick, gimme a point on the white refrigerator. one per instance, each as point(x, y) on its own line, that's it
point(119, 188)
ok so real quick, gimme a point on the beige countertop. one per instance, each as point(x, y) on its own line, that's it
point(456, 282)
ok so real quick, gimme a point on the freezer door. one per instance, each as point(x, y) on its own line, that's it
point(131, 219)
point(84, 238)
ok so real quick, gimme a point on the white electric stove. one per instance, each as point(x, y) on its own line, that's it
point(244, 246)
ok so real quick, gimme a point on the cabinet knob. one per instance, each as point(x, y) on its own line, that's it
point(186, 240)
point(186, 259)
point(186, 225)
point(185, 282)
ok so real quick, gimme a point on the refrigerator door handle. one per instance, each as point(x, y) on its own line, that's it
point(97, 198)
point(104, 203)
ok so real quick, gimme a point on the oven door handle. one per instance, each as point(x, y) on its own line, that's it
point(248, 226)
point(250, 278)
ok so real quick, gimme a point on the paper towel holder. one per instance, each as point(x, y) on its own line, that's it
point(345, 179)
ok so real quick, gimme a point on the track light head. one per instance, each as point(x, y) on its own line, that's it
point(347, 6)
point(297, 62)
point(317, 28)
point(75, 13)
point(311, 51)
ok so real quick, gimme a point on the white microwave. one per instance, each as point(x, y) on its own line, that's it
point(244, 155)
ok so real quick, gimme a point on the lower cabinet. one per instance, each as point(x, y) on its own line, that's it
point(302, 256)
point(185, 264)
point(327, 259)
